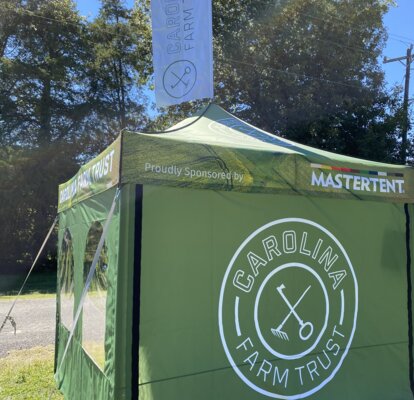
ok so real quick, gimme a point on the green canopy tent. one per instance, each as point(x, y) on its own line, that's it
point(217, 261)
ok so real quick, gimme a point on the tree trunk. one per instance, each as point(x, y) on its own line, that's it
point(122, 99)
point(45, 130)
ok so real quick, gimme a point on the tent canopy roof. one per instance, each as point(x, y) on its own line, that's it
point(217, 127)
point(216, 150)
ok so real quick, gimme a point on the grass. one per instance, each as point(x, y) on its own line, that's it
point(28, 374)
point(96, 351)
point(28, 296)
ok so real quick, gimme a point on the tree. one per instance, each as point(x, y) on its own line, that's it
point(42, 106)
point(307, 70)
point(67, 86)
point(304, 69)
point(119, 65)
point(41, 72)
point(28, 191)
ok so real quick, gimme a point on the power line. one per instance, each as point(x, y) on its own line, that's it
point(356, 27)
point(357, 48)
point(405, 43)
point(391, 36)
point(331, 42)
point(353, 47)
point(347, 23)
point(33, 14)
point(402, 37)
point(294, 74)
point(76, 25)
point(80, 25)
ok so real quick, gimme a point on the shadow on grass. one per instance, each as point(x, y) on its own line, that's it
point(43, 282)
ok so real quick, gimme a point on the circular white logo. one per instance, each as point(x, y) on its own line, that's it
point(288, 308)
point(179, 78)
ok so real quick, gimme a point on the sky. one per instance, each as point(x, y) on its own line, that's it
point(399, 23)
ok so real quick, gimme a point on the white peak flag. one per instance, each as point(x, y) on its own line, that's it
point(182, 50)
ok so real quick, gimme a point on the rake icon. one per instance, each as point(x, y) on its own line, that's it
point(303, 325)
point(279, 333)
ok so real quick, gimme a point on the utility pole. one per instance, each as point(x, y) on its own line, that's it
point(408, 59)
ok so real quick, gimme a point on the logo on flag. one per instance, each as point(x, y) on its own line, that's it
point(179, 78)
point(182, 50)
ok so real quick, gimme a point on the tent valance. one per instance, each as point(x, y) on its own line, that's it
point(219, 151)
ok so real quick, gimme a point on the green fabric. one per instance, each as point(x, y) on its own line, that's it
point(80, 378)
point(125, 277)
point(275, 283)
point(95, 177)
point(219, 151)
point(190, 238)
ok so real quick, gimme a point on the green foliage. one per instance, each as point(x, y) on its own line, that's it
point(42, 106)
point(67, 86)
point(308, 70)
point(41, 99)
point(62, 78)
point(118, 68)
point(28, 191)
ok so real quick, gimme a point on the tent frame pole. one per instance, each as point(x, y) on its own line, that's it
point(409, 297)
point(136, 290)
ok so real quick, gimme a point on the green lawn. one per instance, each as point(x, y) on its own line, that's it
point(28, 374)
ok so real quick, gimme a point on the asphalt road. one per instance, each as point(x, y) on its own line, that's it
point(35, 320)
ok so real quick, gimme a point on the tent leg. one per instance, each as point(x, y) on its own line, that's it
point(409, 297)
point(136, 290)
